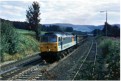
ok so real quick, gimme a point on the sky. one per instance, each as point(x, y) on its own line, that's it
point(81, 12)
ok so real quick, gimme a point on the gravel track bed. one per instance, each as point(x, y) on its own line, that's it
point(87, 70)
point(65, 69)
point(19, 69)
point(18, 63)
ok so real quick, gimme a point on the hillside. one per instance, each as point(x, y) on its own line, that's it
point(16, 43)
point(82, 28)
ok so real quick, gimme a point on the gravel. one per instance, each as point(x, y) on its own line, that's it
point(65, 70)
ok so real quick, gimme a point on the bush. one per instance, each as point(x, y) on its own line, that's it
point(113, 61)
point(105, 46)
point(16, 45)
point(111, 50)
point(9, 39)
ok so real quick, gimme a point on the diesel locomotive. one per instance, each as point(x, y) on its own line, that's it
point(53, 45)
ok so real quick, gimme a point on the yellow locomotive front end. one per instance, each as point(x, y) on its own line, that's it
point(48, 46)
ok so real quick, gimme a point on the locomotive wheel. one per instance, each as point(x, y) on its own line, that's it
point(65, 53)
point(57, 58)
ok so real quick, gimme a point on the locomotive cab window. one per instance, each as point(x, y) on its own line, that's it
point(49, 38)
point(52, 39)
point(44, 39)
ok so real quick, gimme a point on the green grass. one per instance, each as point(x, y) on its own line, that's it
point(21, 31)
point(27, 32)
point(27, 45)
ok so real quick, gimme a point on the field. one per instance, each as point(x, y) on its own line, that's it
point(26, 32)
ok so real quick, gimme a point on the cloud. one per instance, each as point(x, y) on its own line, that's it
point(12, 7)
point(77, 11)
point(65, 11)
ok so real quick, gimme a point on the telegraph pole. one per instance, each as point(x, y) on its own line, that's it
point(105, 22)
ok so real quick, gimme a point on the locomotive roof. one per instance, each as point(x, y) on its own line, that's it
point(58, 34)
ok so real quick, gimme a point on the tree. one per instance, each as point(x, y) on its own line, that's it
point(96, 32)
point(33, 18)
point(106, 29)
point(69, 29)
point(111, 30)
point(115, 31)
point(54, 28)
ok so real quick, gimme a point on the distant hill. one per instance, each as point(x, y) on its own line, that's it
point(82, 28)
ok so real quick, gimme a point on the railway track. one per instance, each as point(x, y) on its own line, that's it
point(9, 70)
point(18, 63)
point(26, 69)
point(19, 69)
point(52, 75)
point(88, 57)
point(30, 72)
point(37, 71)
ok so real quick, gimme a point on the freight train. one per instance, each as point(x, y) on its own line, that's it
point(54, 45)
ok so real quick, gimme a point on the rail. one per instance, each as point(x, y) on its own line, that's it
point(84, 60)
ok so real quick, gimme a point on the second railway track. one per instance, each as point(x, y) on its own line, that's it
point(89, 58)
point(19, 69)
point(24, 61)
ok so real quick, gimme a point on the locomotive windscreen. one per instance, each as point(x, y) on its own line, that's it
point(48, 38)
